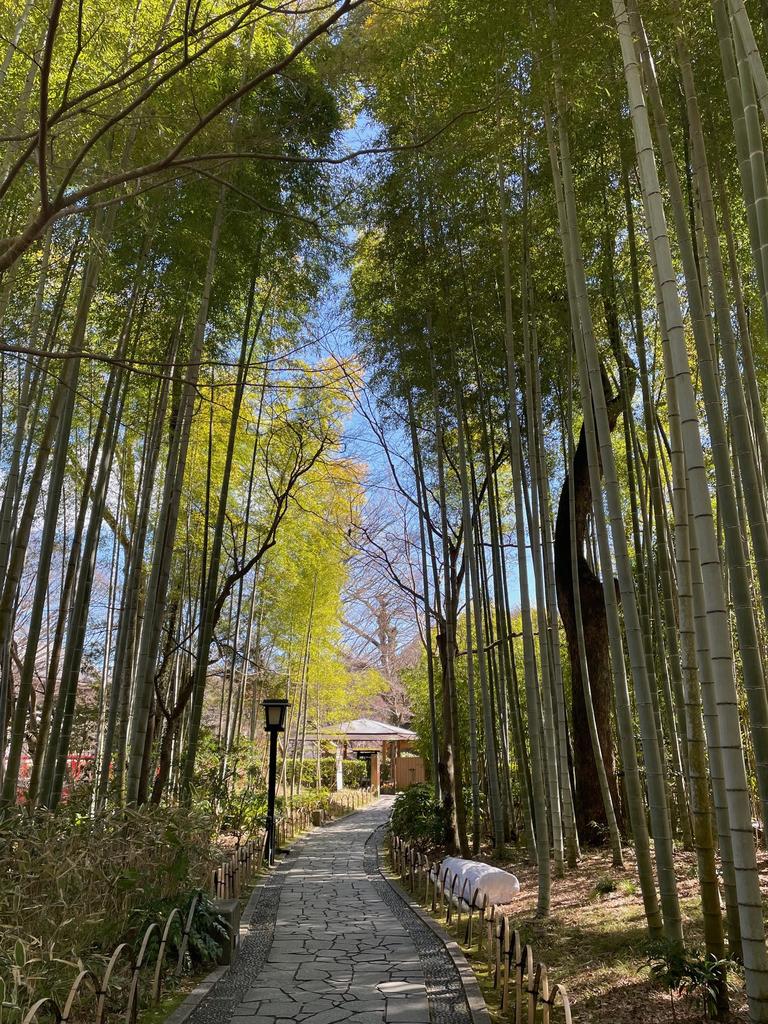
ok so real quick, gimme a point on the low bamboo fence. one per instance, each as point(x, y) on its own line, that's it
point(89, 983)
point(136, 962)
point(522, 983)
point(239, 866)
point(349, 800)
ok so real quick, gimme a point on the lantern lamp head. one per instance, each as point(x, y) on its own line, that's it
point(275, 711)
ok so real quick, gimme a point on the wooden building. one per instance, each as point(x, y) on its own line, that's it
point(376, 742)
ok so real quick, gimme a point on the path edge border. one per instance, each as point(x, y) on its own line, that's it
point(478, 1009)
point(190, 1003)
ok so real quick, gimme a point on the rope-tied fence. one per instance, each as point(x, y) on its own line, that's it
point(525, 992)
point(227, 881)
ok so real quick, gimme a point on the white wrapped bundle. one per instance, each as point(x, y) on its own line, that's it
point(498, 885)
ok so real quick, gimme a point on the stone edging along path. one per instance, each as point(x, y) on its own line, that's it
point(327, 938)
point(455, 996)
point(459, 983)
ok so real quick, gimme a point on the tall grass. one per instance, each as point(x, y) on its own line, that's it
point(72, 887)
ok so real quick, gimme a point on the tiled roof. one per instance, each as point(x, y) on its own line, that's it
point(369, 729)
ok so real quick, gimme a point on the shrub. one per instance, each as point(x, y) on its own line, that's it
point(418, 817)
point(309, 772)
point(207, 933)
point(355, 773)
point(312, 799)
point(242, 814)
point(604, 885)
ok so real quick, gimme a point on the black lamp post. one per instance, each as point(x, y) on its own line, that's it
point(275, 711)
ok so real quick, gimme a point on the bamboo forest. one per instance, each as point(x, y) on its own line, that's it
point(383, 511)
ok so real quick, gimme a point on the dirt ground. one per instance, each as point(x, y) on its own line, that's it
point(595, 944)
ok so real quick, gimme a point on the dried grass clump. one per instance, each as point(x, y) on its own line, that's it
point(73, 887)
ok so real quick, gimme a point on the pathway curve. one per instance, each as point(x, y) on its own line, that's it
point(330, 941)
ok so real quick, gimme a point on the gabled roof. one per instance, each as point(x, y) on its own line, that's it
point(369, 729)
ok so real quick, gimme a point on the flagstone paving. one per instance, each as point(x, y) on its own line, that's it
point(331, 943)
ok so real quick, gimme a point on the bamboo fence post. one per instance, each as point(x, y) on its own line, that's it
point(505, 965)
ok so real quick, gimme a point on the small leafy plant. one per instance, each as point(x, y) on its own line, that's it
point(208, 933)
point(605, 885)
point(690, 973)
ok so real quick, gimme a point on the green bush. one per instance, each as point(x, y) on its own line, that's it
point(311, 799)
point(355, 772)
point(605, 885)
point(418, 817)
point(327, 773)
point(702, 977)
point(207, 934)
point(242, 813)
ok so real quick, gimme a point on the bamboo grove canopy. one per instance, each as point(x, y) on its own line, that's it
point(335, 317)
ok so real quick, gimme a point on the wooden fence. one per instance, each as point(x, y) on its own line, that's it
point(408, 771)
point(522, 984)
point(227, 881)
point(87, 982)
point(350, 800)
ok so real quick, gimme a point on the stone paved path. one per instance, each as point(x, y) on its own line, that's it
point(329, 941)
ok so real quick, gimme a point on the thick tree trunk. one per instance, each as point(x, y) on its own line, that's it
point(591, 819)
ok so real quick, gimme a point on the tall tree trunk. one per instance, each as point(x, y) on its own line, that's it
point(591, 812)
point(624, 722)
point(538, 753)
point(157, 587)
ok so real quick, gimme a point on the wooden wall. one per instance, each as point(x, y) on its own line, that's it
point(409, 771)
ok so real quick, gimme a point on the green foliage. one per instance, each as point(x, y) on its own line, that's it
point(243, 812)
point(74, 887)
point(355, 773)
point(418, 817)
point(605, 885)
point(207, 933)
point(310, 799)
point(689, 972)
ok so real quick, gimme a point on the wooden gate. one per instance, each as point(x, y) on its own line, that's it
point(409, 771)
